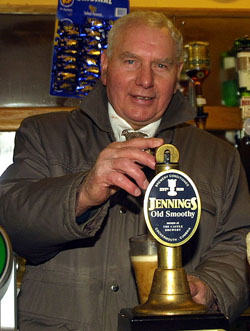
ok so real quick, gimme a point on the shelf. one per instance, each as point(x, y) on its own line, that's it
point(240, 8)
point(219, 118)
point(223, 118)
point(11, 118)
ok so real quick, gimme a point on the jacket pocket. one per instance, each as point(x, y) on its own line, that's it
point(29, 323)
point(59, 300)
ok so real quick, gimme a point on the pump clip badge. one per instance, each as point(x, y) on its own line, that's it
point(172, 207)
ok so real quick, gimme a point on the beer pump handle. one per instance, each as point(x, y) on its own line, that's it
point(167, 157)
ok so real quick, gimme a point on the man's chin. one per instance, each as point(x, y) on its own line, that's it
point(137, 123)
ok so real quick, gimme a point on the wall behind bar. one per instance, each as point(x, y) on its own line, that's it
point(26, 44)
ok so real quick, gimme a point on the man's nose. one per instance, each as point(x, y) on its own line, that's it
point(145, 77)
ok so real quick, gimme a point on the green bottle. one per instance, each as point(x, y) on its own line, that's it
point(229, 81)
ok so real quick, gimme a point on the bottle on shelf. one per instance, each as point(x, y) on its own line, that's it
point(198, 68)
point(186, 85)
point(229, 83)
point(242, 49)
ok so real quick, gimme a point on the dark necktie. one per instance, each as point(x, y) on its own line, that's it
point(133, 134)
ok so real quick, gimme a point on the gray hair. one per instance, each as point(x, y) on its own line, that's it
point(149, 18)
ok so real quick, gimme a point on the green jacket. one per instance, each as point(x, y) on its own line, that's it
point(72, 272)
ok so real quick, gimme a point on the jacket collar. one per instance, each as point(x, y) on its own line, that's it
point(178, 112)
point(95, 105)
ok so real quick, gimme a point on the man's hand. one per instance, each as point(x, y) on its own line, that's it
point(201, 292)
point(119, 166)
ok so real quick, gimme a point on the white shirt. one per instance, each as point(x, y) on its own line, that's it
point(119, 124)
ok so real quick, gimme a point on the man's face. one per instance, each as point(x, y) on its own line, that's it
point(141, 75)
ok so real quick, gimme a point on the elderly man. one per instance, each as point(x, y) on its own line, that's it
point(73, 196)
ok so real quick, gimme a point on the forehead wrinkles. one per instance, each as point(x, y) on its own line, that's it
point(136, 39)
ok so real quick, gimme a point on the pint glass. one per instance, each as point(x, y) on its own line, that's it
point(144, 258)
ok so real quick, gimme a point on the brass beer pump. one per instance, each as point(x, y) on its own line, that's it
point(170, 293)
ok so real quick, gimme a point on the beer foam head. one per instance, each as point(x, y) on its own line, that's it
point(144, 258)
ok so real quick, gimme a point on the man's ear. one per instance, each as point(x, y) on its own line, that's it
point(179, 69)
point(104, 66)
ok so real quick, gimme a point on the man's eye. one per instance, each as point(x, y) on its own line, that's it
point(130, 61)
point(162, 66)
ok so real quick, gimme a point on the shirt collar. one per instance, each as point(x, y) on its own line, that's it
point(118, 124)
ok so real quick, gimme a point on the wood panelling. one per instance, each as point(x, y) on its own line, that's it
point(10, 118)
point(219, 118)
